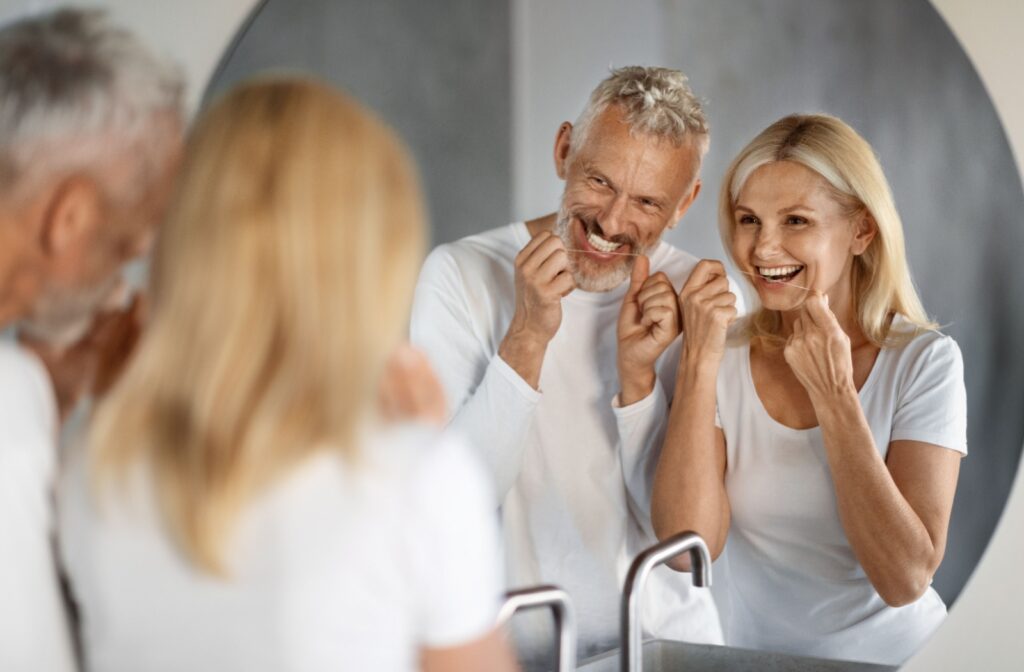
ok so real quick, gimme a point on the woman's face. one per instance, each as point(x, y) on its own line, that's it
point(791, 236)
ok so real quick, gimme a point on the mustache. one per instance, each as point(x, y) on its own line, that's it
point(592, 225)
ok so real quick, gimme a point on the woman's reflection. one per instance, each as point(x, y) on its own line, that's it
point(823, 439)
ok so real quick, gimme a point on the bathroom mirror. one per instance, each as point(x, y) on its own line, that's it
point(478, 90)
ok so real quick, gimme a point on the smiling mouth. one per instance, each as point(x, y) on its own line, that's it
point(778, 274)
point(598, 243)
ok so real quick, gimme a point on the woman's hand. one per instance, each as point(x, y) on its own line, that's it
point(409, 390)
point(818, 351)
point(708, 309)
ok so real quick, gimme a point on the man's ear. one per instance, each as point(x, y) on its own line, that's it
point(72, 216)
point(562, 146)
point(865, 230)
point(685, 204)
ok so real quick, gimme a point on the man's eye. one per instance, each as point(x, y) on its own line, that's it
point(649, 204)
point(599, 181)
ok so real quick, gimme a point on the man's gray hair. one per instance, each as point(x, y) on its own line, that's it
point(655, 101)
point(77, 91)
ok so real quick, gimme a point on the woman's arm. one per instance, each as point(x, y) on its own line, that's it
point(895, 513)
point(689, 482)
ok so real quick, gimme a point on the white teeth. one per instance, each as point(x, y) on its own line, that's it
point(600, 244)
point(777, 271)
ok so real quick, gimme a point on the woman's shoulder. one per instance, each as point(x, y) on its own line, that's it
point(911, 343)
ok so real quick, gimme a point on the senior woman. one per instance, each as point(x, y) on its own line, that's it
point(821, 436)
point(242, 504)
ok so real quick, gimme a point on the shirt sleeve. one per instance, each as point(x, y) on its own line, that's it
point(641, 428)
point(932, 402)
point(456, 549)
point(488, 402)
point(34, 630)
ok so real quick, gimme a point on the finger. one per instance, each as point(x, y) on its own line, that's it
point(713, 288)
point(652, 292)
point(817, 311)
point(705, 270)
point(659, 315)
point(563, 283)
point(531, 247)
point(638, 276)
point(722, 300)
point(557, 262)
point(542, 253)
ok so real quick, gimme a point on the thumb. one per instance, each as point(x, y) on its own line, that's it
point(641, 269)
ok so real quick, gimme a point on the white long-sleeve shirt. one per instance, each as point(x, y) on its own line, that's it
point(571, 470)
point(34, 630)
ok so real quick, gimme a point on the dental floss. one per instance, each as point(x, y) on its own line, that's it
point(621, 254)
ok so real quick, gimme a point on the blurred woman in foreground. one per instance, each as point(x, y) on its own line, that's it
point(243, 504)
point(824, 440)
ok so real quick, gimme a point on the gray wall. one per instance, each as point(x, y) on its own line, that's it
point(461, 91)
point(437, 71)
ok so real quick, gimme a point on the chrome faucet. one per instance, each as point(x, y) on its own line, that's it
point(565, 617)
point(700, 563)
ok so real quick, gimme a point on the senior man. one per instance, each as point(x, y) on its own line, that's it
point(536, 327)
point(90, 138)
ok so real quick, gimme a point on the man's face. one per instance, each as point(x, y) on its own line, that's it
point(621, 192)
point(89, 278)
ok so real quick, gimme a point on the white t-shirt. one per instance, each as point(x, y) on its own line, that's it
point(34, 632)
point(338, 566)
point(570, 470)
point(788, 579)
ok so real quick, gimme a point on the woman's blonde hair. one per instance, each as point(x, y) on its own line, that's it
point(282, 279)
point(882, 285)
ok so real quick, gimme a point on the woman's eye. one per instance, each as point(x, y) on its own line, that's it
point(793, 220)
point(748, 220)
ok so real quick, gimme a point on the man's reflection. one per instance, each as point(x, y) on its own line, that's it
point(535, 327)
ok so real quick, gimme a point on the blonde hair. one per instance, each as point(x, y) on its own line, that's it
point(281, 281)
point(881, 280)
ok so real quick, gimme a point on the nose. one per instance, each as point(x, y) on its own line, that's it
point(613, 216)
point(767, 242)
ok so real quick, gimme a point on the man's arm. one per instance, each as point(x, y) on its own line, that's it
point(34, 630)
point(489, 402)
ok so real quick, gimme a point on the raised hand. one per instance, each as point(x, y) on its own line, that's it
point(818, 351)
point(542, 279)
point(648, 323)
point(409, 391)
point(708, 308)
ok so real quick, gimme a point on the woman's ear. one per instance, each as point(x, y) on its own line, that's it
point(865, 230)
point(562, 146)
point(73, 214)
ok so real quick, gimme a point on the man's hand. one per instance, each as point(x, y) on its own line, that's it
point(94, 363)
point(409, 390)
point(648, 323)
point(543, 278)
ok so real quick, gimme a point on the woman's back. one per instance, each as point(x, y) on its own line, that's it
point(336, 566)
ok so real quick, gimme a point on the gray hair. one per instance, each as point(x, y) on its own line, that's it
point(78, 91)
point(656, 101)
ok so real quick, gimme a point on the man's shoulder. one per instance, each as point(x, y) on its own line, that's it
point(676, 263)
point(478, 256)
point(27, 407)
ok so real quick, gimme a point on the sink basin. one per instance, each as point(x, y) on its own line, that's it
point(666, 656)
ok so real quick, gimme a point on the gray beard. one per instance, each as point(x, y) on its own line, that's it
point(604, 281)
point(61, 317)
